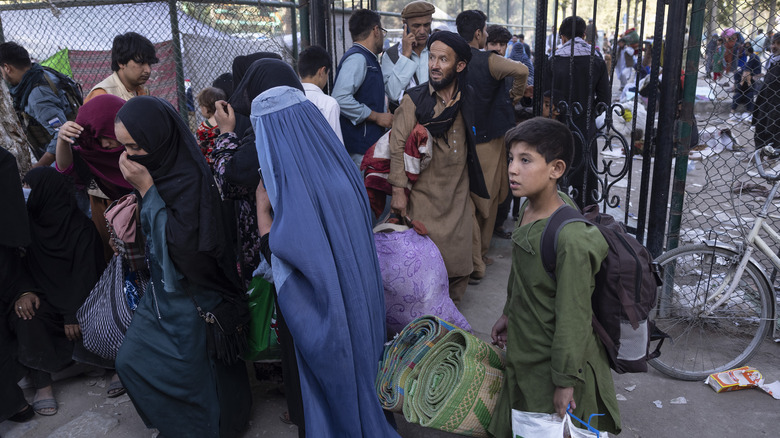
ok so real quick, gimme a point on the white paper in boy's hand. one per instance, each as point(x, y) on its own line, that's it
point(772, 389)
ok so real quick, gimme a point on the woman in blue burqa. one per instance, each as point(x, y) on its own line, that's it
point(167, 361)
point(324, 263)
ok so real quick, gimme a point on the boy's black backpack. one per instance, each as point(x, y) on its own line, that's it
point(625, 291)
point(37, 134)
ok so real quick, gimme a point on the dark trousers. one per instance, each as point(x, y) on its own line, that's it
point(42, 345)
point(582, 177)
point(12, 399)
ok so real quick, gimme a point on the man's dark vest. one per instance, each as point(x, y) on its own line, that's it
point(493, 111)
point(358, 138)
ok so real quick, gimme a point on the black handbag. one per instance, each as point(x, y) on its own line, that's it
point(227, 328)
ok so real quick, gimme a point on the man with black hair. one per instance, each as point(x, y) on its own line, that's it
point(526, 47)
point(314, 65)
point(39, 100)
point(360, 88)
point(498, 39)
point(440, 196)
point(405, 64)
point(574, 55)
point(494, 116)
point(132, 56)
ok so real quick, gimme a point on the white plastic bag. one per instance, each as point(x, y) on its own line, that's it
point(538, 425)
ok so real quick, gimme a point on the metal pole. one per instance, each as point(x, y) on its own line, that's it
point(522, 20)
point(652, 101)
point(317, 20)
point(304, 19)
point(539, 54)
point(294, 32)
point(662, 170)
point(176, 41)
point(683, 140)
point(2, 33)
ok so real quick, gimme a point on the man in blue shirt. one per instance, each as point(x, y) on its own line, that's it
point(359, 87)
point(41, 108)
point(405, 64)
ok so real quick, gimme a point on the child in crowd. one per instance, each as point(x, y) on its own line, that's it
point(718, 63)
point(555, 361)
point(208, 130)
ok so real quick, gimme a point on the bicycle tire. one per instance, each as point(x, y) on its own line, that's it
point(723, 339)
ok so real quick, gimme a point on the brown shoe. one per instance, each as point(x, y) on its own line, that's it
point(487, 260)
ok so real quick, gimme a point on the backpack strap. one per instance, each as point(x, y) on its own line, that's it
point(548, 248)
point(51, 84)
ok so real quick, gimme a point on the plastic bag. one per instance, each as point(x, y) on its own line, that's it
point(539, 425)
point(262, 342)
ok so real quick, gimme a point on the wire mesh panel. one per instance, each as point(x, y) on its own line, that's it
point(77, 39)
point(737, 104)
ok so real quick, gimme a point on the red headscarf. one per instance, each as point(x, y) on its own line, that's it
point(97, 118)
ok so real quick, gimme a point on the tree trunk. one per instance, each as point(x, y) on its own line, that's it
point(636, 15)
point(713, 23)
point(772, 12)
point(12, 136)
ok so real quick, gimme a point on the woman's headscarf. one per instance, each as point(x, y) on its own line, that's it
point(97, 118)
point(14, 228)
point(225, 83)
point(263, 75)
point(195, 228)
point(242, 63)
point(66, 253)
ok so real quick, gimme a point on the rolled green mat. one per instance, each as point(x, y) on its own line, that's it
point(456, 386)
point(402, 355)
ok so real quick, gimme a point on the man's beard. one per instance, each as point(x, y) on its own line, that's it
point(444, 82)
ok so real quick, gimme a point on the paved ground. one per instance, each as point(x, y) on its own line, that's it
point(86, 412)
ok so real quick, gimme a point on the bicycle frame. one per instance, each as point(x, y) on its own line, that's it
point(752, 242)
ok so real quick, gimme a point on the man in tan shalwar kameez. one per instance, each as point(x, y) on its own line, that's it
point(440, 197)
point(494, 115)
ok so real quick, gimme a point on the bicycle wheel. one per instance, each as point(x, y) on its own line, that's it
point(708, 341)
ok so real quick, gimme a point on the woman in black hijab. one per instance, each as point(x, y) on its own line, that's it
point(64, 260)
point(241, 65)
point(167, 361)
point(235, 159)
point(14, 233)
point(237, 173)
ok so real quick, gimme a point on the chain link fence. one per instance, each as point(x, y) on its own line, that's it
point(196, 39)
point(723, 192)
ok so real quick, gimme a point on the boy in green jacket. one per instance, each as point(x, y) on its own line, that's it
point(554, 358)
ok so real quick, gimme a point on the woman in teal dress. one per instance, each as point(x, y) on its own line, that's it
point(166, 362)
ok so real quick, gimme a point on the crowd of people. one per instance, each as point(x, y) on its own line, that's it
point(271, 185)
point(741, 66)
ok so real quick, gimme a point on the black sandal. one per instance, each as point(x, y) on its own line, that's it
point(23, 416)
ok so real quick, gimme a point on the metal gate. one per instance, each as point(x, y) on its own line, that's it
point(632, 143)
point(631, 159)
